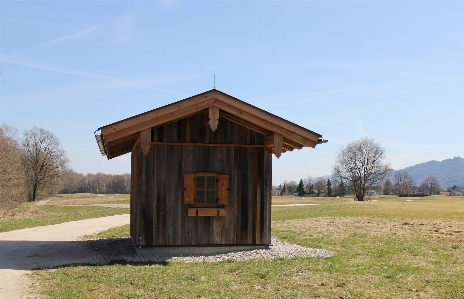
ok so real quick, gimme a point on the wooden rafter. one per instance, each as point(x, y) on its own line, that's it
point(287, 148)
point(172, 108)
point(121, 146)
point(111, 134)
point(306, 139)
point(292, 143)
point(244, 123)
point(268, 117)
point(119, 138)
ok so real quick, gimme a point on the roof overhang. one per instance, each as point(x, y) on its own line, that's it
point(119, 138)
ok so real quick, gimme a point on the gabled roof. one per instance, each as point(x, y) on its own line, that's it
point(120, 137)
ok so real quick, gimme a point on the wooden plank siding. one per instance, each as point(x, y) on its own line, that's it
point(158, 213)
point(134, 230)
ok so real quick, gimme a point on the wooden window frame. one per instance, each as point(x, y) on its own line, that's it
point(207, 205)
point(206, 209)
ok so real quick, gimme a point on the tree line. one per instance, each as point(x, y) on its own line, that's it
point(99, 183)
point(311, 187)
point(403, 185)
point(35, 166)
point(361, 170)
point(30, 166)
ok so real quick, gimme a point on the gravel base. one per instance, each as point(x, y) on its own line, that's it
point(123, 250)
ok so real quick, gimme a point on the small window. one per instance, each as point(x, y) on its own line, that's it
point(205, 189)
point(205, 192)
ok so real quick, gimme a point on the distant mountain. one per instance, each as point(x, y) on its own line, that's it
point(448, 172)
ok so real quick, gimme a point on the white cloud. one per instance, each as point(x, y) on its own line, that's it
point(167, 4)
point(122, 28)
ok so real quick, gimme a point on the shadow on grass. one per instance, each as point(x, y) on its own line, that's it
point(33, 255)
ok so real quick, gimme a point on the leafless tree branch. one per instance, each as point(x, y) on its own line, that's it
point(45, 161)
point(361, 165)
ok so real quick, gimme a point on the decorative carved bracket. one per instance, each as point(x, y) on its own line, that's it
point(145, 139)
point(275, 142)
point(213, 117)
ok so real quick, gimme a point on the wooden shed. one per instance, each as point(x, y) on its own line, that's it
point(201, 170)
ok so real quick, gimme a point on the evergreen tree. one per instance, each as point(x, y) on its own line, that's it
point(284, 189)
point(342, 189)
point(387, 187)
point(329, 188)
point(300, 188)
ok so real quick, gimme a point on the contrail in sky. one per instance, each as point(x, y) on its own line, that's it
point(396, 129)
point(59, 69)
point(60, 39)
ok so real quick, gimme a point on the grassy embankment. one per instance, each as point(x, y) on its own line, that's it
point(388, 248)
point(62, 209)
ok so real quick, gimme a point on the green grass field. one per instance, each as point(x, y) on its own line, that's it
point(386, 248)
point(88, 199)
point(60, 209)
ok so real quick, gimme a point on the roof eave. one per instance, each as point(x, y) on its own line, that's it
point(124, 129)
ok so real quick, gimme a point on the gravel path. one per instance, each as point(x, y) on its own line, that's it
point(47, 246)
point(122, 249)
point(58, 245)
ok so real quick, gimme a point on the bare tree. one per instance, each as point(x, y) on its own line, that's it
point(338, 187)
point(361, 165)
point(319, 186)
point(308, 185)
point(12, 191)
point(70, 182)
point(430, 186)
point(45, 161)
point(403, 183)
point(291, 187)
point(387, 187)
point(74, 182)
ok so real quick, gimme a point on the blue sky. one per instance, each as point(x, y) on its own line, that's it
point(390, 70)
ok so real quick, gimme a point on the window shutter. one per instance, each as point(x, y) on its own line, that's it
point(223, 189)
point(189, 189)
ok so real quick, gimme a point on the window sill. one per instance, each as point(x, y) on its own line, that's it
point(211, 212)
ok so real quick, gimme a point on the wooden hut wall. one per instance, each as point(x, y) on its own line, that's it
point(158, 215)
point(134, 195)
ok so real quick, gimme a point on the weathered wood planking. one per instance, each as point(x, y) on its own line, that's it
point(134, 229)
point(161, 217)
point(207, 212)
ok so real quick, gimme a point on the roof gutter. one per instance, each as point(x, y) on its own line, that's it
point(322, 140)
point(101, 144)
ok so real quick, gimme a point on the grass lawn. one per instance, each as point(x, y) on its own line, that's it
point(386, 248)
point(88, 199)
point(31, 215)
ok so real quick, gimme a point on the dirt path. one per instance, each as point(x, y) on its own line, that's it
point(46, 246)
